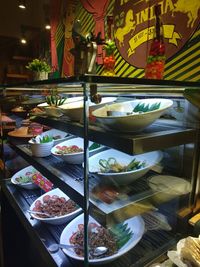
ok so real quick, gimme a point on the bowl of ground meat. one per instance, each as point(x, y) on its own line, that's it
point(99, 236)
point(54, 207)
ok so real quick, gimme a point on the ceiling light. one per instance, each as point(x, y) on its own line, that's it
point(47, 24)
point(23, 36)
point(22, 4)
point(23, 40)
point(47, 27)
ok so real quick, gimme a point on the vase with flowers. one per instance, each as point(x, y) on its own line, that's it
point(40, 69)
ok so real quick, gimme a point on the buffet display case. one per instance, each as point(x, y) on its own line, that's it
point(127, 155)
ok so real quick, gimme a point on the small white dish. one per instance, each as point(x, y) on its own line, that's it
point(136, 225)
point(40, 149)
point(57, 219)
point(150, 159)
point(27, 172)
point(73, 158)
point(122, 121)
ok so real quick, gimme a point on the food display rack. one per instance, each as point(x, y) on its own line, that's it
point(70, 178)
point(161, 135)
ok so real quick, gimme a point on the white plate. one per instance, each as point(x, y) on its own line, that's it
point(150, 158)
point(133, 122)
point(136, 224)
point(55, 132)
point(55, 220)
point(75, 110)
point(171, 185)
point(73, 158)
point(30, 170)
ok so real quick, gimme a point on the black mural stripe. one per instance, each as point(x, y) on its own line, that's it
point(180, 74)
point(129, 70)
point(183, 58)
point(124, 69)
point(87, 24)
point(191, 42)
point(138, 74)
point(183, 64)
point(120, 66)
point(131, 74)
point(118, 70)
point(184, 49)
point(194, 77)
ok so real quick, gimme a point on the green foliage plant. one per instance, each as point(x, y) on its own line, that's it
point(38, 65)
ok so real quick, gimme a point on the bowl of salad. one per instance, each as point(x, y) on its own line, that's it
point(72, 150)
point(41, 145)
point(119, 239)
point(131, 116)
point(54, 207)
point(117, 167)
point(58, 136)
point(23, 178)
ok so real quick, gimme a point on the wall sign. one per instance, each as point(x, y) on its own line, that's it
point(134, 26)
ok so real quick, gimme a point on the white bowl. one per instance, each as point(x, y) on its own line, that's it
point(41, 149)
point(56, 133)
point(68, 100)
point(133, 122)
point(122, 178)
point(136, 225)
point(53, 111)
point(171, 185)
point(73, 158)
point(28, 171)
point(58, 219)
point(75, 110)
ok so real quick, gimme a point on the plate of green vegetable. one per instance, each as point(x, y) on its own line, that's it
point(117, 167)
point(23, 178)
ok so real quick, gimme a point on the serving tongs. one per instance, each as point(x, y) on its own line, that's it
point(40, 213)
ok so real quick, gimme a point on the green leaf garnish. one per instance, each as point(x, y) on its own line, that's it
point(94, 146)
point(122, 233)
point(46, 139)
point(141, 107)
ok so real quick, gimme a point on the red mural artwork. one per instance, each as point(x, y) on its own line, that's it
point(55, 15)
point(68, 58)
point(98, 10)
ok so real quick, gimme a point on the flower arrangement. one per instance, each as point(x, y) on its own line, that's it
point(38, 65)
